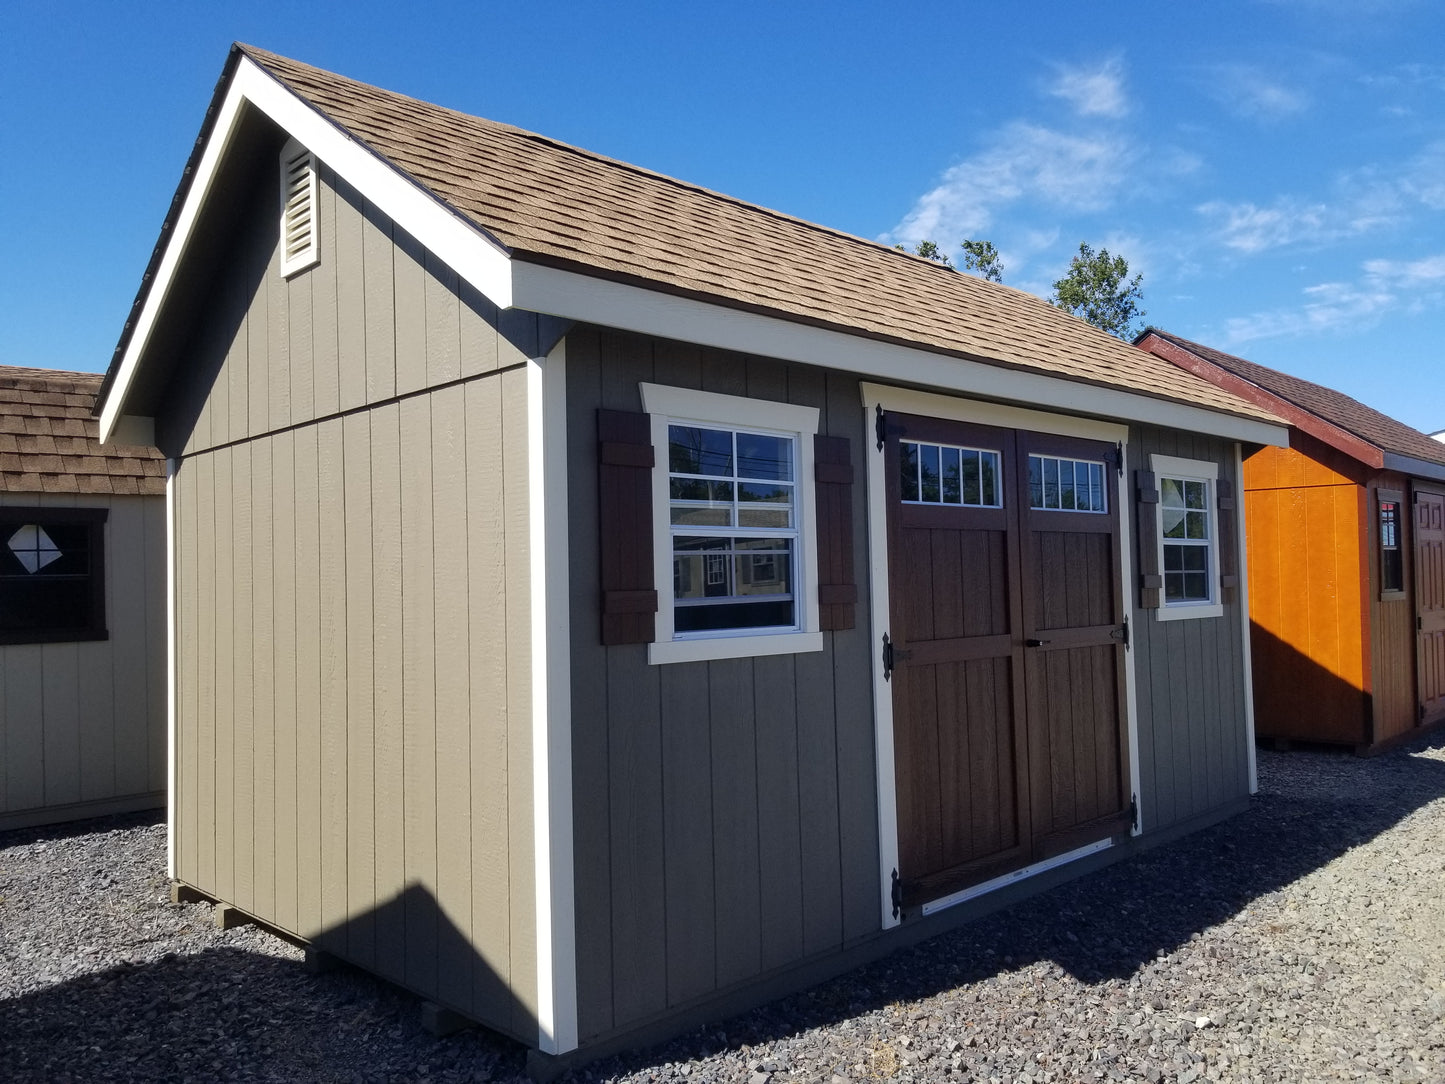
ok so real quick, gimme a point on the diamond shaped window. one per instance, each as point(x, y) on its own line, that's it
point(33, 548)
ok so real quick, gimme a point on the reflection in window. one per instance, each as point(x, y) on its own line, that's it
point(950, 475)
point(733, 509)
point(1066, 485)
point(1185, 522)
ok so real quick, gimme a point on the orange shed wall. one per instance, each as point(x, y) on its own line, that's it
point(1307, 596)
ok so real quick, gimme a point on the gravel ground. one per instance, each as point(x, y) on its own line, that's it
point(1302, 941)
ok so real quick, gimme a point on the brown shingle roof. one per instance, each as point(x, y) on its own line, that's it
point(49, 443)
point(555, 204)
point(1331, 406)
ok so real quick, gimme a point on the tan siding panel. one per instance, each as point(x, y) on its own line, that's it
point(361, 816)
point(478, 332)
point(325, 334)
point(307, 706)
point(377, 258)
point(60, 705)
point(225, 817)
point(277, 652)
point(443, 323)
point(278, 345)
point(158, 586)
point(331, 641)
point(24, 731)
point(246, 753)
point(269, 762)
point(351, 322)
point(301, 355)
point(410, 309)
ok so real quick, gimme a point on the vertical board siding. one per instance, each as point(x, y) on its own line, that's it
point(1193, 757)
point(725, 812)
point(354, 677)
point(79, 722)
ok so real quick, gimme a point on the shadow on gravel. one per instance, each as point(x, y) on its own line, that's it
point(1312, 807)
point(230, 1014)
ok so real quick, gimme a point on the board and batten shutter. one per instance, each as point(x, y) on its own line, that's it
point(624, 517)
point(1228, 558)
point(833, 480)
point(1146, 506)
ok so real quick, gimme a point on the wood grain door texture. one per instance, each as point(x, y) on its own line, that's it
point(1007, 650)
point(1429, 520)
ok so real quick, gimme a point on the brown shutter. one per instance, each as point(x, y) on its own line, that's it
point(624, 516)
point(1151, 580)
point(1228, 558)
point(833, 484)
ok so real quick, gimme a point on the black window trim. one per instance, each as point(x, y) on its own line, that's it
point(12, 516)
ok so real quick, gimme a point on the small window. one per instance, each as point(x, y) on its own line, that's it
point(300, 248)
point(1066, 485)
point(950, 475)
point(733, 528)
point(52, 577)
point(1188, 537)
point(1392, 566)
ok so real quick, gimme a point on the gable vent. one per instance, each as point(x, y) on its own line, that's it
point(299, 245)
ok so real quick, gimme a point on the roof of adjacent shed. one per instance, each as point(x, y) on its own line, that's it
point(50, 443)
point(555, 204)
point(1335, 407)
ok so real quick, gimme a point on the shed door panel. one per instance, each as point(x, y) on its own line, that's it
point(1007, 686)
point(1430, 601)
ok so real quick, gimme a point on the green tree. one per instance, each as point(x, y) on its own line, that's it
point(982, 257)
point(929, 250)
point(1098, 289)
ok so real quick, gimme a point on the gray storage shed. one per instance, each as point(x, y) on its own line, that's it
point(82, 608)
point(601, 604)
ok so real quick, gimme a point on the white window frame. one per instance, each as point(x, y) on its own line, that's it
point(1189, 470)
point(668, 406)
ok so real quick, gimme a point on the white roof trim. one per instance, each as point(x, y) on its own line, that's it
point(479, 261)
point(475, 257)
point(612, 304)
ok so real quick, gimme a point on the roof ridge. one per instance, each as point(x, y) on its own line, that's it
point(265, 56)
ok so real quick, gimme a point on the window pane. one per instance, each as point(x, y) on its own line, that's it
point(762, 456)
point(1196, 524)
point(744, 583)
point(765, 516)
point(1173, 521)
point(1066, 484)
point(1096, 488)
point(972, 478)
point(1171, 493)
point(1194, 494)
point(908, 469)
point(952, 483)
point(1051, 483)
point(1196, 586)
point(694, 450)
point(1196, 558)
point(928, 470)
point(989, 466)
point(1036, 482)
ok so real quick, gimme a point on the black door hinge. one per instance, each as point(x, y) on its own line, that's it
point(887, 658)
point(1122, 632)
point(1119, 458)
point(880, 425)
point(1134, 811)
point(897, 896)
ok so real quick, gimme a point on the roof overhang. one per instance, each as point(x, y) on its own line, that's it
point(1305, 421)
point(508, 280)
point(1420, 468)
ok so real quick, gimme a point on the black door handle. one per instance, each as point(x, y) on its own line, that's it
point(1036, 643)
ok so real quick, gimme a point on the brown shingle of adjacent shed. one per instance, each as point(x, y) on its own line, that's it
point(551, 203)
point(50, 443)
point(1327, 404)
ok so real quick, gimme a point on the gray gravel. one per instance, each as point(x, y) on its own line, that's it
point(1301, 941)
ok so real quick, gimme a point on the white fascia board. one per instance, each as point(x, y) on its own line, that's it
point(476, 258)
point(584, 298)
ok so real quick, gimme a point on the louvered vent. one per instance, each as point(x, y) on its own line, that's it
point(299, 247)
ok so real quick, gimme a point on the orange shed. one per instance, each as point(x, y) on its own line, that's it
point(1346, 560)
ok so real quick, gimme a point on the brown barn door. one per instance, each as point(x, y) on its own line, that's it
point(1074, 637)
point(1004, 653)
point(1430, 602)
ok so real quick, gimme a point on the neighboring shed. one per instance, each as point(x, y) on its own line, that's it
point(82, 608)
point(602, 604)
point(1346, 560)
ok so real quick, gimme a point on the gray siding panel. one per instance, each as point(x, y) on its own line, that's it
point(355, 721)
point(1193, 754)
point(719, 786)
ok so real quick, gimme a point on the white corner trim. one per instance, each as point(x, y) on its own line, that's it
point(172, 583)
point(465, 249)
point(878, 603)
point(551, 702)
point(1199, 469)
point(665, 404)
point(651, 312)
point(1241, 542)
point(1131, 680)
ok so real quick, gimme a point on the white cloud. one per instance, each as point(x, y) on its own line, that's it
point(1385, 286)
point(1251, 93)
point(1069, 173)
point(1096, 91)
point(1248, 228)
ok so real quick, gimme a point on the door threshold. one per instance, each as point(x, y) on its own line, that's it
point(974, 891)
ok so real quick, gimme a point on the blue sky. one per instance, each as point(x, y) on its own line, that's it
point(1274, 168)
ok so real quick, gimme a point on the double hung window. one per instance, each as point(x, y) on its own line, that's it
point(1392, 561)
point(1188, 537)
point(52, 575)
point(733, 525)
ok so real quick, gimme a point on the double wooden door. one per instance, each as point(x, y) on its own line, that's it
point(1007, 638)
point(1429, 523)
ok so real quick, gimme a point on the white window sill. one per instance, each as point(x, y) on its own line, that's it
point(733, 647)
point(1184, 611)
